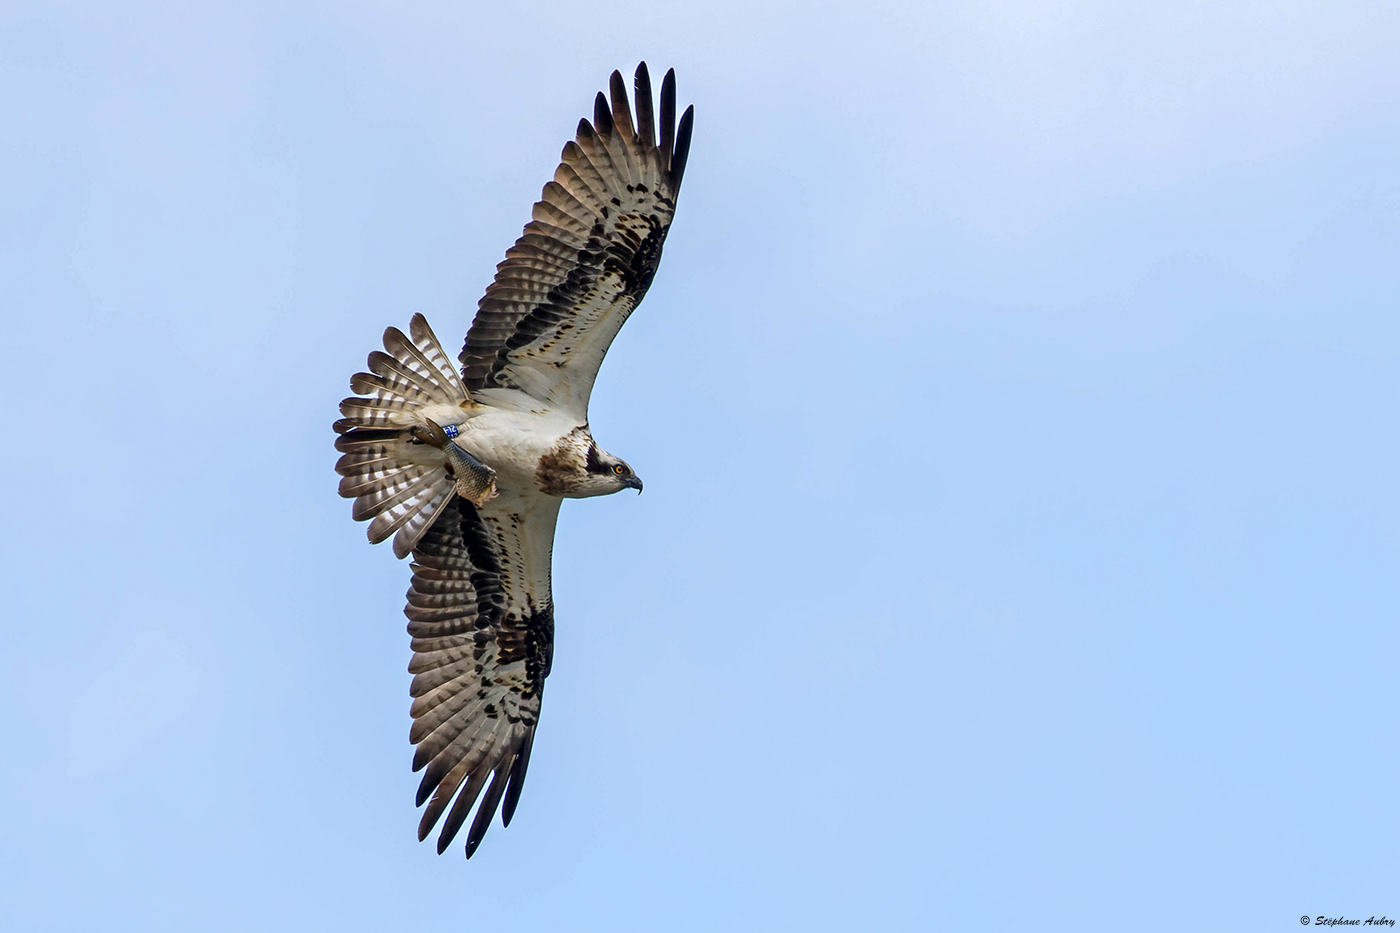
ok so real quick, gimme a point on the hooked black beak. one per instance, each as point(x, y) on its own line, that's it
point(634, 482)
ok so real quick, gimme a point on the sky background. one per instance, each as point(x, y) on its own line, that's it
point(1017, 403)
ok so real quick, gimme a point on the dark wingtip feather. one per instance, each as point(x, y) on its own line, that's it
point(621, 110)
point(487, 810)
point(668, 115)
point(585, 129)
point(517, 780)
point(646, 120)
point(461, 807)
point(425, 790)
point(682, 146)
point(602, 117)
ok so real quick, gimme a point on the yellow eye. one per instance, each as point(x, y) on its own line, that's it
point(620, 470)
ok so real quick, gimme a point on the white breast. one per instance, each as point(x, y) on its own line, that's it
point(510, 433)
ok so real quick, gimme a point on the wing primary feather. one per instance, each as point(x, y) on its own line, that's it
point(682, 146)
point(441, 748)
point(618, 152)
point(623, 150)
point(487, 810)
point(426, 788)
point(668, 117)
point(621, 111)
point(646, 122)
point(461, 808)
point(602, 116)
point(517, 779)
point(442, 796)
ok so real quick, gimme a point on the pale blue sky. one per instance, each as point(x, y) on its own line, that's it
point(1017, 403)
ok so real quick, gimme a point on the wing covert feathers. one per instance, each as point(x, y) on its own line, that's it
point(589, 253)
point(398, 486)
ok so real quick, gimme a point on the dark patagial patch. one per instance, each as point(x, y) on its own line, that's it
point(530, 640)
point(637, 265)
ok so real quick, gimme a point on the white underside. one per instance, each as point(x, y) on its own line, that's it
point(509, 431)
point(400, 485)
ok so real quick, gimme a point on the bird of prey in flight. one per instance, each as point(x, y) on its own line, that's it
point(466, 467)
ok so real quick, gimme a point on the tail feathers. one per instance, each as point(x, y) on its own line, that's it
point(414, 373)
point(375, 412)
point(403, 505)
point(366, 443)
point(372, 460)
point(389, 381)
point(386, 491)
point(363, 485)
point(421, 520)
point(435, 356)
point(424, 356)
point(399, 487)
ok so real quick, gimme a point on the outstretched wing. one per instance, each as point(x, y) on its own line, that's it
point(482, 623)
point(588, 256)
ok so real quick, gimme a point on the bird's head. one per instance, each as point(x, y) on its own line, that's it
point(605, 474)
point(577, 468)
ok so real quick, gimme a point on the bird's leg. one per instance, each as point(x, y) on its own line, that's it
point(476, 482)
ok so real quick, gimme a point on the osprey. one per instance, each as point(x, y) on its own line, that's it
point(466, 469)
